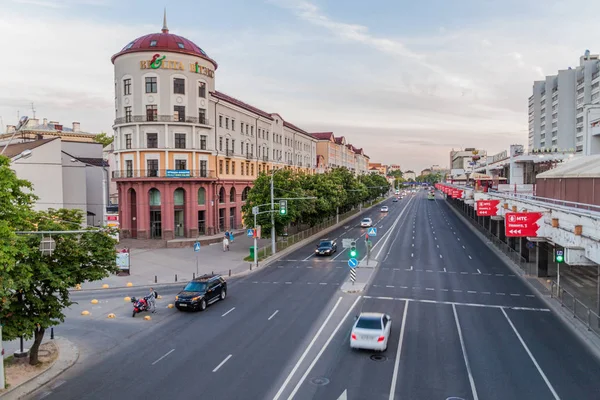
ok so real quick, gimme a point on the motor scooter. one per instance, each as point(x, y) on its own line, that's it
point(139, 305)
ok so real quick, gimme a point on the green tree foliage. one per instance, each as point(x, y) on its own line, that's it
point(337, 189)
point(41, 295)
point(104, 139)
point(430, 178)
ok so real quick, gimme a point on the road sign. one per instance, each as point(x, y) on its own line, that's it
point(352, 263)
point(254, 210)
point(487, 208)
point(250, 233)
point(372, 232)
point(197, 247)
point(522, 224)
point(530, 245)
point(347, 243)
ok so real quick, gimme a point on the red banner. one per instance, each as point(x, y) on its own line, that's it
point(487, 208)
point(457, 194)
point(522, 224)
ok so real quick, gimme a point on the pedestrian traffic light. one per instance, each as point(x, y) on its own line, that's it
point(559, 256)
point(283, 207)
point(353, 251)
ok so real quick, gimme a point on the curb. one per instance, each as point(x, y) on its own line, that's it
point(68, 354)
point(574, 325)
point(156, 285)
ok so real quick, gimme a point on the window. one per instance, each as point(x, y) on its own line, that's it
point(179, 197)
point(221, 167)
point(179, 113)
point(178, 86)
point(247, 147)
point(247, 169)
point(227, 144)
point(369, 323)
point(221, 143)
point(233, 124)
point(252, 149)
point(242, 169)
point(233, 145)
point(152, 166)
point(202, 142)
point(128, 141)
point(252, 169)
point(201, 196)
point(232, 195)
point(242, 127)
point(180, 45)
point(246, 129)
point(180, 164)
point(204, 168)
point(129, 168)
point(153, 43)
point(233, 167)
point(245, 193)
point(202, 90)
point(180, 141)
point(152, 140)
point(151, 113)
point(151, 84)
point(220, 121)
point(252, 131)
point(226, 123)
point(154, 197)
point(127, 87)
point(242, 148)
point(202, 116)
point(128, 116)
point(227, 167)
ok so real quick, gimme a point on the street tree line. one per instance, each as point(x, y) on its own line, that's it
point(34, 285)
point(335, 190)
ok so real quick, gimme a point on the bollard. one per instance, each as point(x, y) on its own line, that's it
point(229, 272)
point(175, 277)
point(52, 333)
point(250, 267)
point(155, 279)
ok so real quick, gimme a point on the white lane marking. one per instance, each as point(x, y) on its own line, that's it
point(306, 259)
point(530, 295)
point(413, 237)
point(398, 354)
point(403, 287)
point(471, 291)
point(311, 366)
point(310, 345)
point(515, 294)
point(337, 255)
point(429, 288)
point(435, 238)
point(412, 254)
point(272, 315)
point(464, 247)
point(228, 312)
point(478, 270)
point(458, 238)
point(288, 283)
point(441, 256)
point(428, 270)
point(464, 351)
point(222, 362)
point(499, 274)
point(531, 357)
point(169, 352)
point(457, 291)
point(413, 245)
point(470, 258)
point(485, 293)
point(444, 290)
point(464, 272)
point(388, 233)
point(500, 294)
point(438, 246)
point(323, 283)
point(390, 286)
point(445, 269)
point(460, 304)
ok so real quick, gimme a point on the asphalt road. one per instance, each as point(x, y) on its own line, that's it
point(462, 325)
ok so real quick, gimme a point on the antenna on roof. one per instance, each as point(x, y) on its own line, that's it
point(32, 110)
point(164, 28)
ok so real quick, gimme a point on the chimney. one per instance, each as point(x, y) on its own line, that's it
point(45, 122)
point(76, 126)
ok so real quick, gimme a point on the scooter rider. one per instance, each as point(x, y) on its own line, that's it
point(151, 299)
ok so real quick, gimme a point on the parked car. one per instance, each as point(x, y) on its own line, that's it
point(326, 247)
point(201, 292)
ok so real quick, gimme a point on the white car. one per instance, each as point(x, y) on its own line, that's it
point(371, 331)
point(366, 223)
point(385, 209)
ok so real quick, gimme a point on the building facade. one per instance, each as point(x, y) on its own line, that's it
point(334, 152)
point(409, 175)
point(185, 154)
point(564, 107)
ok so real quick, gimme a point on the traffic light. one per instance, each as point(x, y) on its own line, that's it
point(353, 251)
point(283, 207)
point(559, 256)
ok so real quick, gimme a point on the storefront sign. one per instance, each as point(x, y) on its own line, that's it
point(123, 261)
point(500, 156)
point(160, 62)
point(178, 173)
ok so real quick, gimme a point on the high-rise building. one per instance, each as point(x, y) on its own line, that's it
point(560, 103)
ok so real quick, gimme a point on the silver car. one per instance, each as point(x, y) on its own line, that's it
point(366, 223)
point(371, 331)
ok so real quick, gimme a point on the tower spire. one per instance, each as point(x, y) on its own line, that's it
point(164, 28)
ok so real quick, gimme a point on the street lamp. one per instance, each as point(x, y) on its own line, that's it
point(273, 245)
point(104, 186)
point(21, 124)
point(24, 154)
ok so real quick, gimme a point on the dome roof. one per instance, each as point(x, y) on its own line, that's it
point(164, 41)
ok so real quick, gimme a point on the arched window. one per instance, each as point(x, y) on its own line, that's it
point(245, 193)
point(154, 195)
point(179, 197)
point(201, 196)
point(222, 195)
point(232, 195)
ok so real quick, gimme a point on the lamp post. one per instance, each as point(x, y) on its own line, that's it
point(21, 124)
point(273, 245)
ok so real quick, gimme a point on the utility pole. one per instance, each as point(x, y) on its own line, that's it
point(2, 382)
point(273, 244)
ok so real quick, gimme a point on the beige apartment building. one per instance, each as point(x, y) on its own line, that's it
point(333, 152)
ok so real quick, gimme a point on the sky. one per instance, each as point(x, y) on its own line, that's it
point(405, 80)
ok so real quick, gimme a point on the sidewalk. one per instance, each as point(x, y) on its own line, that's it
point(166, 263)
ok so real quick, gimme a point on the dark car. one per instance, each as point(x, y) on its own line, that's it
point(326, 247)
point(395, 200)
point(201, 292)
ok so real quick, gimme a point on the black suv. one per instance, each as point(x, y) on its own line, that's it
point(201, 292)
point(326, 247)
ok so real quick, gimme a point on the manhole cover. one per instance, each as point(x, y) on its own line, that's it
point(378, 357)
point(319, 381)
point(455, 398)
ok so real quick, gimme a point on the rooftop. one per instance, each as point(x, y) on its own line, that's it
point(577, 167)
point(13, 150)
point(241, 104)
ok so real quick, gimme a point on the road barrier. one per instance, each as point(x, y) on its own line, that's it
point(579, 310)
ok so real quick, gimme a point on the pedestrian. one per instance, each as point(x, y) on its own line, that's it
point(225, 244)
point(151, 299)
point(231, 237)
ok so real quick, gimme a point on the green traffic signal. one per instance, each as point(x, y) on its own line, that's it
point(282, 207)
point(559, 256)
point(353, 252)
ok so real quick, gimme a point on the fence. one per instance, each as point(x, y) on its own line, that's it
point(579, 310)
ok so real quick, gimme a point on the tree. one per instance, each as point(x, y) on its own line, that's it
point(430, 178)
point(16, 214)
point(104, 139)
point(38, 300)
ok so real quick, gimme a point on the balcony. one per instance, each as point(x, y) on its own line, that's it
point(160, 118)
point(249, 156)
point(228, 153)
point(162, 173)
